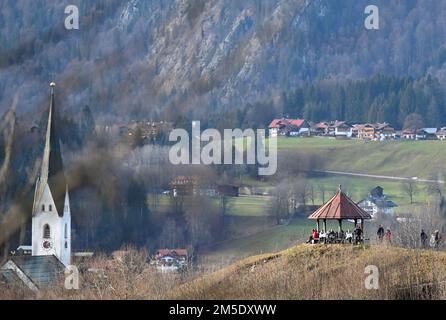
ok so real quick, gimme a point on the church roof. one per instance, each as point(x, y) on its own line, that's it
point(42, 271)
point(9, 277)
point(339, 207)
point(52, 165)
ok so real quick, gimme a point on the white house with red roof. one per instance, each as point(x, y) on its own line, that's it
point(289, 127)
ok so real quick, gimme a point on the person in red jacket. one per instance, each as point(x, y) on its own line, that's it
point(314, 236)
point(388, 236)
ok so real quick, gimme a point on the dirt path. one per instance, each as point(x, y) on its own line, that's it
point(365, 175)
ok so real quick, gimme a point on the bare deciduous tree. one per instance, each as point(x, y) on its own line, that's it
point(410, 188)
point(281, 201)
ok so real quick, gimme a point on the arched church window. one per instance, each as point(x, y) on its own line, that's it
point(50, 207)
point(43, 207)
point(46, 231)
point(66, 231)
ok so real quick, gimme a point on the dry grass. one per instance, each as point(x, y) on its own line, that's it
point(128, 279)
point(325, 272)
point(301, 272)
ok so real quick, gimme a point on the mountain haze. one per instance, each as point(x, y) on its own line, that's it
point(137, 58)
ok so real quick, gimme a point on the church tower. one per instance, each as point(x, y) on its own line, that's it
point(51, 220)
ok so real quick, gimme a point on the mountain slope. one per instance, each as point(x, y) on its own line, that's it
point(131, 58)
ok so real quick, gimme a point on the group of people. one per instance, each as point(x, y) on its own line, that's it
point(336, 236)
point(434, 242)
point(435, 239)
point(356, 237)
point(384, 236)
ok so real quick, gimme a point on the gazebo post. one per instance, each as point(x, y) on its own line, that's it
point(362, 227)
point(340, 225)
point(325, 225)
point(318, 225)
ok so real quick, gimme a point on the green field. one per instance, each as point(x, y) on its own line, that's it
point(244, 205)
point(393, 158)
point(358, 188)
point(249, 205)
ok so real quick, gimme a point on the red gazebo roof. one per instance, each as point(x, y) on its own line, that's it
point(339, 207)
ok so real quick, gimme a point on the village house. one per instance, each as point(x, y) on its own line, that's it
point(378, 203)
point(228, 190)
point(431, 133)
point(383, 131)
point(192, 185)
point(184, 186)
point(289, 127)
point(441, 134)
point(364, 131)
point(374, 131)
point(171, 260)
point(410, 134)
point(342, 129)
point(148, 130)
point(320, 129)
point(333, 129)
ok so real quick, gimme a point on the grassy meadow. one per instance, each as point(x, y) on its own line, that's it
point(392, 158)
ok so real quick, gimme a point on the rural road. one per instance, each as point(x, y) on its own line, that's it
point(379, 176)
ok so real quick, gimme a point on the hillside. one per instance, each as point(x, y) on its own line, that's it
point(422, 159)
point(325, 272)
point(136, 58)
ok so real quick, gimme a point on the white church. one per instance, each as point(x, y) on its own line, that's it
point(51, 219)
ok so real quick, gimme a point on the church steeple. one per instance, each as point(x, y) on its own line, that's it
point(52, 172)
point(51, 222)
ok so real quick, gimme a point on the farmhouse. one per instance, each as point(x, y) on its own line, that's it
point(320, 129)
point(192, 185)
point(168, 260)
point(383, 131)
point(441, 134)
point(289, 127)
point(183, 186)
point(431, 133)
point(364, 131)
point(377, 203)
point(419, 134)
point(342, 129)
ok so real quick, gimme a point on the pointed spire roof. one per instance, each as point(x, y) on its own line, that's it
point(339, 207)
point(52, 172)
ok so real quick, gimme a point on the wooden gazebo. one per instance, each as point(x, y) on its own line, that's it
point(339, 208)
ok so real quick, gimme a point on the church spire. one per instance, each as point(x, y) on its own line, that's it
point(51, 172)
